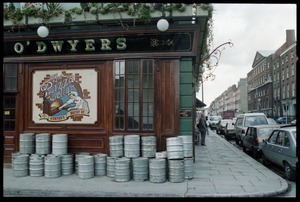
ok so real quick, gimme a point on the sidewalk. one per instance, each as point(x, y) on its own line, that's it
point(220, 170)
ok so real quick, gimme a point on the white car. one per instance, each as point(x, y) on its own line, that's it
point(280, 149)
point(248, 119)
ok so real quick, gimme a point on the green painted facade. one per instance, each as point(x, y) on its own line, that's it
point(187, 96)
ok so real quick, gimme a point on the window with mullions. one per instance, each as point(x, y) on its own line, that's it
point(9, 98)
point(9, 103)
point(134, 95)
point(10, 77)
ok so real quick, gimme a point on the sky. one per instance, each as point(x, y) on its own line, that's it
point(251, 28)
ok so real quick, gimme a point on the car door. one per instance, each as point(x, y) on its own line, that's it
point(238, 127)
point(278, 148)
point(287, 150)
point(268, 146)
point(248, 139)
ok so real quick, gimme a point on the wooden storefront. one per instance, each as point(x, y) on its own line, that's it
point(93, 84)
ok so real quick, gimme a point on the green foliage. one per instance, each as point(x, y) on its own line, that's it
point(207, 41)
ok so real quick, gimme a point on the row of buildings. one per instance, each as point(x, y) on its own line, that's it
point(270, 86)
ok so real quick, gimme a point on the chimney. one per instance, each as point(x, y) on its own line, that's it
point(290, 36)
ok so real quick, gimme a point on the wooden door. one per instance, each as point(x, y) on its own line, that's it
point(167, 101)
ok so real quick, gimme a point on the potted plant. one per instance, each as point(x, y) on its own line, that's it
point(12, 15)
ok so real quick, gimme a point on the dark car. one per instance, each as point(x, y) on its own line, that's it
point(280, 149)
point(229, 130)
point(213, 121)
point(220, 126)
point(284, 120)
point(271, 121)
point(254, 136)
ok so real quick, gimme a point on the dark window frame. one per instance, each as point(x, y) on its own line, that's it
point(10, 92)
point(134, 108)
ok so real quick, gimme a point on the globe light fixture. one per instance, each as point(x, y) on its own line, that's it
point(43, 31)
point(162, 25)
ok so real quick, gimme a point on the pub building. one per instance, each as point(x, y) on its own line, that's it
point(96, 76)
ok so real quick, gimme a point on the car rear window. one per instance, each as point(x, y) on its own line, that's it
point(265, 132)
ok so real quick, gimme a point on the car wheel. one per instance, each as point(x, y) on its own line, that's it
point(237, 141)
point(289, 172)
point(255, 153)
point(244, 148)
point(265, 161)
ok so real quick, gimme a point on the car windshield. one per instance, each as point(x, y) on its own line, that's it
point(214, 118)
point(255, 120)
point(224, 122)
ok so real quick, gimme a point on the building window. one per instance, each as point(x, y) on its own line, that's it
point(9, 98)
point(293, 89)
point(287, 90)
point(292, 70)
point(134, 95)
point(286, 58)
point(292, 54)
point(11, 72)
point(283, 92)
point(287, 72)
point(282, 73)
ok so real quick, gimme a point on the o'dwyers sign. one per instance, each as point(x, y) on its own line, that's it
point(180, 42)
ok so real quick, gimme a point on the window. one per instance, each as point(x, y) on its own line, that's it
point(134, 95)
point(292, 70)
point(10, 77)
point(273, 137)
point(283, 92)
point(9, 97)
point(286, 140)
point(287, 72)
point(280, 138)
point(293, 89)
point(287, 90)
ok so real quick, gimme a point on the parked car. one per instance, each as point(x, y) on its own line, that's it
point(280, 149)
point(293, 122)
point(220, 126)
point(213, 120)
point(245, 120)
point(285, 120)
point(272, 121)
point(229, 130)
point(255, 135)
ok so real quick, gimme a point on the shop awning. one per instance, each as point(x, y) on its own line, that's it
point(199, 103)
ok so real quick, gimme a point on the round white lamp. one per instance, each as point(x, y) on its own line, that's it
point(43, 31)
point(162, 25)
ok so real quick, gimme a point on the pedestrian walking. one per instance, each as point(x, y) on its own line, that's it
point(207, 125)
point(202, 128)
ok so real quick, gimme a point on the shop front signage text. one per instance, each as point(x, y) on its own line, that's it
point(101, 45)
point(71, 45)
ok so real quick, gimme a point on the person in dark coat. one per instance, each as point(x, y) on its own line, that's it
point(202, 128)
